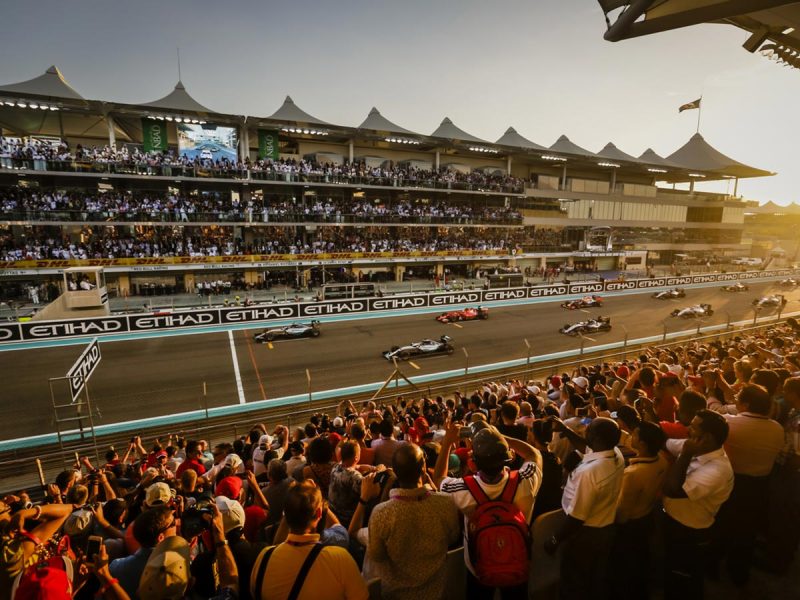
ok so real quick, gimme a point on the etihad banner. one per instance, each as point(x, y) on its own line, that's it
point(268, 144)
point(154, 134)
point(266, 313)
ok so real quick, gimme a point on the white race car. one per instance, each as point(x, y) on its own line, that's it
point(736, 287)
point(670, 294)
point(590, 326)
point(426, 347)
point(771, 301)
point(693, 312)
point(790, 283)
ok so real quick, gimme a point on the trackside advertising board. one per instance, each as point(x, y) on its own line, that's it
point(83, 368)
point(100, 326)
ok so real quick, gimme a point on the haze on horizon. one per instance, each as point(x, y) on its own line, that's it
point(541, 67)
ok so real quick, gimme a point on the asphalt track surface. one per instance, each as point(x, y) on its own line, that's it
point(165, 375)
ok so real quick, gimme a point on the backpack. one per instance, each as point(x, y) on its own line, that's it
point(498, 537)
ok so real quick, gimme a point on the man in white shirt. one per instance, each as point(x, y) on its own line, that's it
point(590, 503)
point(753, 445)
point(697, 484)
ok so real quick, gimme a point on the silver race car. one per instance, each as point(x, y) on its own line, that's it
point(295, 330)
point(693, 312)
point(587, 327)
point(735, 287)
point(426, 347)
point(771, 301)
point(670, 294)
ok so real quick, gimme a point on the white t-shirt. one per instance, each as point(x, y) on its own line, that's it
point(530, 479)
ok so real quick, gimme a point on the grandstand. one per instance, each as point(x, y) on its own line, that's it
point(81, 179)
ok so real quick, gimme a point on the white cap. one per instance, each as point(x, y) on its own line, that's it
point(581, 382)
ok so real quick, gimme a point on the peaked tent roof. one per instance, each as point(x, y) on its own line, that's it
point(51, 84)
point(563, 144)
point(515, 140)
point(178, 99)
point(449, 131)
point(289, 111)
point(699, 155)
point(375, 121)
point(651, 158)
point(611, 152)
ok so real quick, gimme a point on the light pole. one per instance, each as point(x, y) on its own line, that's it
point(466, 363)
point(528, 357)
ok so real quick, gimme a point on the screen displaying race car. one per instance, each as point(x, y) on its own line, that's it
point(736, 287)
point(588, 326)
point(467, 314)
point(770, 301)
point(295, 330)
point(693, 312)
point(426, 347)
point(585, 302)
point(670, 294)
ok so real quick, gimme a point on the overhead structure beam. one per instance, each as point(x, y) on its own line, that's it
point(629, 26)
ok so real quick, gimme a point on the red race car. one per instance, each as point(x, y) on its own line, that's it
point(467, 314)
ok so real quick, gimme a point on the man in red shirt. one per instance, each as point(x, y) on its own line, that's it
point(192, 460)
point(689, 404)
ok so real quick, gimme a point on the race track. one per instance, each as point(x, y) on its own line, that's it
point(165, 375)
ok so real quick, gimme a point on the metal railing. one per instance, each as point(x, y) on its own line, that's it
point(255, 174)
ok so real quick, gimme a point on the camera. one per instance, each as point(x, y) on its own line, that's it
point(193, 520)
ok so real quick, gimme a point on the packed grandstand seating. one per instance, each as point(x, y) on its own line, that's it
point(38, 155)
point(57, 205)
point(383, 487)
point(105, 242)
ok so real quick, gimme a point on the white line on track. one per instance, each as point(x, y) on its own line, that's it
point(238, 375)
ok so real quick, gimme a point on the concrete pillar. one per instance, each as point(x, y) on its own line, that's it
point(735, 187)
point(123, 285)
point(436, 163)
point(508, 165)
point(691, 186)
point(542, 262)
point(112, 134)
point(350, 150)
point(251, 277)
point(564, 176)
point(246, 136)
point(398, 273)
point(438, 269)
point(613, 180)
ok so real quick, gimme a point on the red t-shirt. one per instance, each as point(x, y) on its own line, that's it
point(367, 456)
point(666, 408)
point(191, 463)
point(674, 430)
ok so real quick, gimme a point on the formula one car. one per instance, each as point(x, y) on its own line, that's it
point(589, 326)
point(468, 314)
point(736, 287)
point(295, 330)
point(417, 349)
point(790, 283)
point(770, 301)
point(670, 294)
point(585, 302)
point(693, 312)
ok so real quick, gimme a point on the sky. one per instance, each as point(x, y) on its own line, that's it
point(540, 66)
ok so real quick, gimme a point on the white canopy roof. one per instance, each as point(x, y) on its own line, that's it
point(292, 113)
point(50, 85)
point(178, 99)
point(449, 131)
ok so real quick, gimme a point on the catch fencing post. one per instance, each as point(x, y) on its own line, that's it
point(528, 358)
point(466, 364)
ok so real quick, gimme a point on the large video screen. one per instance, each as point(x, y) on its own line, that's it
point(209, 141)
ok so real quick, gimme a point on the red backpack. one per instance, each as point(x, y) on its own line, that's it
point(498, 537)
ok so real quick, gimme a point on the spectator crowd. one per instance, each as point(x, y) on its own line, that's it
point(58, 205)
point(43, 155)
point(41, 243)
point(658, 472)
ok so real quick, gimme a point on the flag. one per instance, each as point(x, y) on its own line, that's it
point(690, 105)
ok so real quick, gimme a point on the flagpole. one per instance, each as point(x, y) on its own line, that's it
point(699, 112)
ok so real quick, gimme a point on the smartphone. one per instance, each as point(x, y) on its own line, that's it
point(382, 477)
point(93, 547)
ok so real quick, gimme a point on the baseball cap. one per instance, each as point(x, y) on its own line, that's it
point(158, 493)
point(78, 522)
point(489, 443)
point(265, 440)
point(232, 513)
point(229, 486)
point(338, 422)
point(234, 462)
point(166, 574)
point(53, 582)
point(160, 454)
point(534, 389)
point(581, 382)
point(623, 372)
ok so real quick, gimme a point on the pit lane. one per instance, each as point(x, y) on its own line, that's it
point(165, 375)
